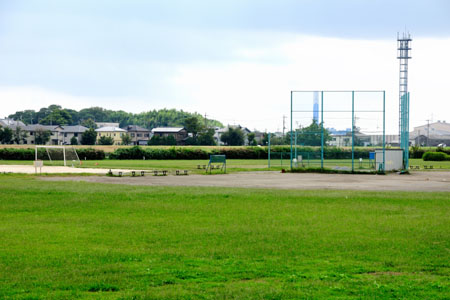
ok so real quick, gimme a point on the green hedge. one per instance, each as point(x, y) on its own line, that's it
point(29, 154)
point(435, 156)
point(187, 153)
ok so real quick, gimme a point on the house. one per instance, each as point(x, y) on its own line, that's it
point(115, 133)
point(69, 132)
point(179, 133)
point(139, 135)
point(60, 135)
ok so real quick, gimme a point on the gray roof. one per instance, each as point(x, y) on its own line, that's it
point(167, 129)
point(110, 129)
point(11, 122)
point(136, 128)
point(76, 128)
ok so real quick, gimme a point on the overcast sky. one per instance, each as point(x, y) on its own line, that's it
point(236, 61)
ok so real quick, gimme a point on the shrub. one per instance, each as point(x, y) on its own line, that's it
point(90, 154)
point(435, 156)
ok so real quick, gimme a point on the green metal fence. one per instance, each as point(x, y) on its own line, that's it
point(336, 119)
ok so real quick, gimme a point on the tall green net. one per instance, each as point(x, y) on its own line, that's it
point(337, 129)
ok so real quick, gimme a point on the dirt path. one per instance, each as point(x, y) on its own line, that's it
point(420, 181)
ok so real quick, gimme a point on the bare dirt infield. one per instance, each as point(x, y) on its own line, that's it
point(419, 181)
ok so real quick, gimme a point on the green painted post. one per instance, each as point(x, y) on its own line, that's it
point(269, 149)
point(296, 144)
point(291, 131)
point(322, 142)
point(353, 131)
point(384, 131)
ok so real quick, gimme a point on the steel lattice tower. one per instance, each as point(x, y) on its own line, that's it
point(403, 54)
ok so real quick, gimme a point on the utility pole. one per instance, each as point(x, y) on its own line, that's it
point(206, 121)
point(284, 123)
point(428, 132)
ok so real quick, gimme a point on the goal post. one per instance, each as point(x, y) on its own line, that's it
point(59, 153)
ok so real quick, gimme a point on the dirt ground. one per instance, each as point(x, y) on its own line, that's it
point(28, 169)
point(418, 181)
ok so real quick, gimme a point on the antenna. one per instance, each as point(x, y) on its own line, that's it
point(403, 54)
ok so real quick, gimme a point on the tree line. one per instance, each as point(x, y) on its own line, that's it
point(56, 115)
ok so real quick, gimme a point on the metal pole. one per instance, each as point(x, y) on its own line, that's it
point(296, 144)
point(353, 131)
point(384, 131)
point(269, 149)
point(64, 155)
point(321, 147)
point(291, 131)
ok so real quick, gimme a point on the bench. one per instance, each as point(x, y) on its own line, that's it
point(201, 166)
point(160, 173)
point(121, 173)
point(178, 172)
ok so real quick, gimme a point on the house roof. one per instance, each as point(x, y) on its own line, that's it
point(167, 129)
point(136, 128)
point(11, 122)
point(244, 129)
point(110, 129)
point(76, 128)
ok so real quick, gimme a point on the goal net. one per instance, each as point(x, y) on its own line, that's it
point(58, 155)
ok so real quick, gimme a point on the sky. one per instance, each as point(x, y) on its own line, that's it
point(235, 61)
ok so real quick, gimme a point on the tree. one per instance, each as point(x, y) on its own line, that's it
point(126, 139)
point(89, 123)
point(206, 138)
point(233, 137)
point(251, 139)
point(19, 135)
point(41, 136)
point(106, 140)
point(6, 135)
point(154, 141)
point(170, 141)
point(57, 117)
point(89, 137)
point(312, 135)
point(74, 141)
point(193, 126)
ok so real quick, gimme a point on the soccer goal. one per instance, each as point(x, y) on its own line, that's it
point(58, 155)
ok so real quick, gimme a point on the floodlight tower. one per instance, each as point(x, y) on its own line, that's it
point(403, 54)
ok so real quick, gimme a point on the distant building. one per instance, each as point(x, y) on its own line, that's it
point(139, 135)
point(316, 107)
point(11, 123)
point(431, 134)
point(179, 133)
point(60, 135)
point(115, 133)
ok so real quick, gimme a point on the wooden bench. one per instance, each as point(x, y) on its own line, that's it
point(179, 172)
point(121, 173)
point(160, 173)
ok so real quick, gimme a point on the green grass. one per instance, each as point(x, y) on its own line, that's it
point(66, 240)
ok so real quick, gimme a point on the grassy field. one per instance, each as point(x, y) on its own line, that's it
point(61, 240)
point(233, 165)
